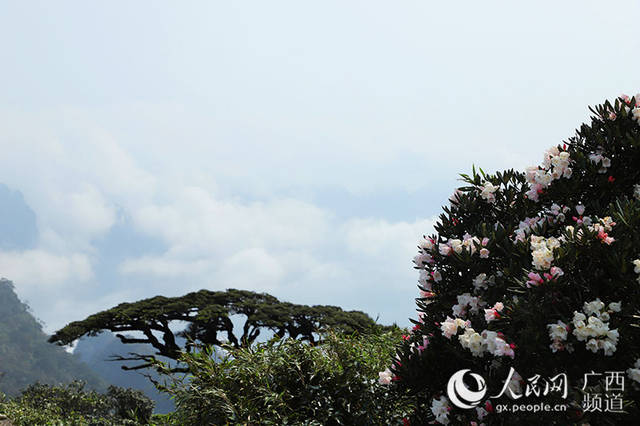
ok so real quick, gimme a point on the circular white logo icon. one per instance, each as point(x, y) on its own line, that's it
point(460, 395)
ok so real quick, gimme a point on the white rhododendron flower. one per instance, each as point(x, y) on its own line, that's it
point(385, 377)
point(490, 315)
point(456, 245)
point(450, 326)
point(542, 251)
point(424, 279)
point(592, 345)
point(482, 282)
point(481, 413)
point(607, 346)
point(440, 408)
point(578, 317)
point(496, 345)
point(598, 158)
point(425, 243)
point(615, 306)
point(444, 249)
point(422, 259)
point(490, 339)
point(558, 331)
point(488, 192)
point(524, 228)
point(555, 165)
point(473, 341)
point(592, 326)
point(636, 192)
point(634, 373)
point(467, 302)
point(590, 308)
point(493, 313)
point(477, 343)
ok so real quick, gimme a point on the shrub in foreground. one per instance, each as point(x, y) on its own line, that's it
point(291, 382)
point(72, 404)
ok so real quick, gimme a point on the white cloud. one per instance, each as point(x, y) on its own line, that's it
point(379, 238)
point(195, 222)
point(204, 152)
point(165, 267)
point(37, 268)
point(252, 268)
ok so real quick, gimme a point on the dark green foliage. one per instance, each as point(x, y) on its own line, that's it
point(41, 404)
point(291, 382)
point(208, 313)
point(68, 399)
point(592, 269)
point(25, 356)
point(130, 404)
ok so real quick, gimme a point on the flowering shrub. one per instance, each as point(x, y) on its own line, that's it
point(534, 273)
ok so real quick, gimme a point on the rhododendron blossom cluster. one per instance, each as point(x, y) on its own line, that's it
point(440, 408)
point(590, 326)
point(467, 302)
point(493, 313)
point(487, 341)
point(488, 192)
point(601, 160)
point(554, 166)
point(558, 335)
point(482, 282)
point(546, 263)
point(467, 242)
point(542, 251)
point(634, 373)
point(450, 326)
point(385, 377)
point(477, 343)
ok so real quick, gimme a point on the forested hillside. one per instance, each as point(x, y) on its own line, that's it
point(25, 354)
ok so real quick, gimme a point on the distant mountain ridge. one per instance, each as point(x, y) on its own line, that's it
point(25, 355)
point(18, 225)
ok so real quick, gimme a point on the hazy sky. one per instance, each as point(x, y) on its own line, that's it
point(298, 148)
